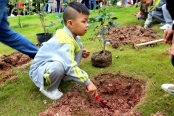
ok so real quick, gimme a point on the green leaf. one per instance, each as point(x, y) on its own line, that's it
point(114, 18)
point(91, 19)
point(105, 40)
point(102, 39)
point(106, 17)
point(103, 31)
point(58, 15)
point(95, 28)
point(90, 23)
point(97, 18)
point(100, 19)
point(111, 13)
point(114, 24)
point(60, 20)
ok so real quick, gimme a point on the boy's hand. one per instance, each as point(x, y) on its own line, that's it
point(146, 27)
point(138, 15)
point(85, 53)
point(91, 89)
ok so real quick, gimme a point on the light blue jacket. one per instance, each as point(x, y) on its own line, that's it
point(64, 49)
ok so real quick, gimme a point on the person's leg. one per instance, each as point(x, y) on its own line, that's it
point(52, 7)
point(100, 4)
point(167, 18)
point(49, 7)
point(94, 4)
point(166, 15)
point(64, 1)
point(97, 4)
point(158, 15)
point(45, 7)
point(90, 4)
point(148, 20)
point(54, 73)
point(3, 4)
point(58, 5)
point(87, 4)
point(14, 39)
point(134, 1)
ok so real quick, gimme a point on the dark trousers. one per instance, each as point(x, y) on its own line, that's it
point(12, 38)
point(58, 6)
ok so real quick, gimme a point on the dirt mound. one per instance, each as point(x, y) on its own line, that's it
point(130, 34)
point(120, 92)
point(8, 62)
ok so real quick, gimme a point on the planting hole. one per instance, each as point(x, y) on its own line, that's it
point(120, 92)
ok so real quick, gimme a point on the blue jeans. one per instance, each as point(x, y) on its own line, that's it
point(12, 38)
point(64, 1)
point(92, 4)
point(58, 6)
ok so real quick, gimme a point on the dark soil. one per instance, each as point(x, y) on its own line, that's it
point(120, 92)
point(130, 34)
point(8, 62)
point(101, 59)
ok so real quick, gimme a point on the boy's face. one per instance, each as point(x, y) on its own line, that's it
point(78, 26)
point(147, 2)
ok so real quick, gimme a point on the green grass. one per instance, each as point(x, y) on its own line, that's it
point(151, 64)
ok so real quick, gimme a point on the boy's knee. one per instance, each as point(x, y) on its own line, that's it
point(57, 68)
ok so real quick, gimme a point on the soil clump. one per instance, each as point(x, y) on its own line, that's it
point(8, 62)
point(130, 34)
point(120, 92)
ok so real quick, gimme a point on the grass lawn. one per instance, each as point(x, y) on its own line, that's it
point(151, 64)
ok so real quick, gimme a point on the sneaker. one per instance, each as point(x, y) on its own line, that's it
point(54, 95)
point(168, 87)
point(162, 24)
point(166, 26)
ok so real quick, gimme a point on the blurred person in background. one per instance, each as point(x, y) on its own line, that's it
point(157, 10)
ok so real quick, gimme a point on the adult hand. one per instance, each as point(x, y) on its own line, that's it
point(168, 35)
point(171, 53)
point(91, 89)
point(85, 53)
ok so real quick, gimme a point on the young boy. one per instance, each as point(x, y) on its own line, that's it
point(157, 10)
point(143, 12)
point(59, 57)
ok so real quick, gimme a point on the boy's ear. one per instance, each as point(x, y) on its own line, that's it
point(69, 23)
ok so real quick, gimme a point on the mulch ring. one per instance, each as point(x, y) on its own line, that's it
point(129, 35)
point(120, 92)
point(8, 62)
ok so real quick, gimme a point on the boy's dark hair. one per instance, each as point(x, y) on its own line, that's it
point(74, 6)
